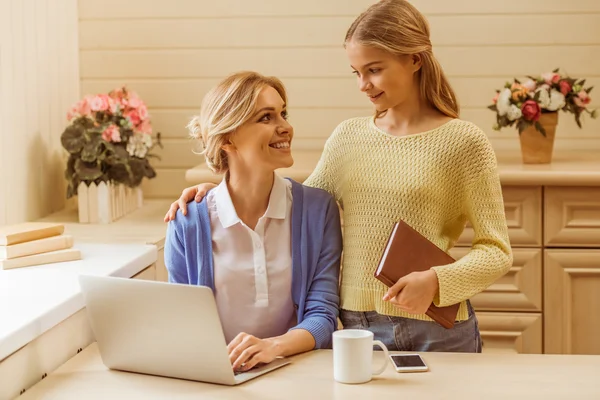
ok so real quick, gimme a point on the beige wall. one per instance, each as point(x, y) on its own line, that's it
point(39, 79)
point(171, 52)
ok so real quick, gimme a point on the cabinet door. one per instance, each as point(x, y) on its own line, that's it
point(572, 301)
point(511, 332)
point(523, 209)
point(572, 216)
point(520, 289)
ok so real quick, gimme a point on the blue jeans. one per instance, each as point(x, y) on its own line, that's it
point(406, 334)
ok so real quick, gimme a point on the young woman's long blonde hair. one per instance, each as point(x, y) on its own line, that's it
point(398, 27)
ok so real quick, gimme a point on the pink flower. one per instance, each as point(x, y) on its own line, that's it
point(145, 127)
point(107, 102)
point(83, 107)
point(117, 94)
point(133, 101)
point(112, 134)
point(113, 105)
point(531, 110)
point(582, 99)
point(551, 77)
point(142, 111)
point(565, 87)
point(133, 116)
point(495, 99)
point(119, 97)
point(99, 103)
point(529, 85)
point(79, 109)
point(73, 112)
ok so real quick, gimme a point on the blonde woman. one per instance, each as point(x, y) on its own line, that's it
point(269, 247)
point(416, 161)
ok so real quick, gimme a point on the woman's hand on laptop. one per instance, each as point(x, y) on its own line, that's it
point(246, 351)
point(188, 194)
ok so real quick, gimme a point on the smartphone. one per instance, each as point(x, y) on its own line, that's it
point(408, 363)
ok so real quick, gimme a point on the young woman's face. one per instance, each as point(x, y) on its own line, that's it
point(386, 79)
point(264, 141)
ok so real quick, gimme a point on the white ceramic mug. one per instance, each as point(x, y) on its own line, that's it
point(353, 356)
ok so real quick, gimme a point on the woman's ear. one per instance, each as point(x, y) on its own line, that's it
point(228, 146)
point(417, 62)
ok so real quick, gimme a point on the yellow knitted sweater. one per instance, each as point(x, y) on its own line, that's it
point(436, 181)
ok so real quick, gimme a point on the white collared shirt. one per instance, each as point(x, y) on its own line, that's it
point(253, 268)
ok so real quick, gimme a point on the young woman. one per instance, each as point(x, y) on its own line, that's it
point(269, 247)
point(416, 161)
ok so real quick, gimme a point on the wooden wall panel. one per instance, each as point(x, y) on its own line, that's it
point(173, 52)
point(39, 80)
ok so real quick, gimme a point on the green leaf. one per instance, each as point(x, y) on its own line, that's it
point(523, 124)
point(73, 138)
point(149, 172)
point(92, 150)
point(71, 191)
point(70, 170)
point(88, 171)
point(120, 173)
point(532, 78)
point(158, 141)
point(556, 70)
point(126, 134)
point(117, 155)
point(155, 156)
point(137, 170)
point(588, 90)
point(517, 81)
point(578, 119)
point(106, 150)
point(536, 96)
point(86, 122)
point(540, 128)
point(493, 107)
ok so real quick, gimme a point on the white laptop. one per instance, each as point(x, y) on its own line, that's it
point(162, 329)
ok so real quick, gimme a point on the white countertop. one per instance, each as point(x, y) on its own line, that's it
point(35, 299)
point(457, 376)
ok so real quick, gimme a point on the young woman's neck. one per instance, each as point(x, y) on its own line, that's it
point(412, 116)
point(250, 191)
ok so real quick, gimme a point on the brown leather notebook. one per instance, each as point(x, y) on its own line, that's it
point(408, 251)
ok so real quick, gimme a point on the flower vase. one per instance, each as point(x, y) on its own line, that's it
point(535, 147)
point(106, 202)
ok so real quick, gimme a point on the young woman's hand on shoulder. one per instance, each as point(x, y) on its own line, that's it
point(188, 194)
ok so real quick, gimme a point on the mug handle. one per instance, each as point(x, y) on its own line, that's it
point(385, 360)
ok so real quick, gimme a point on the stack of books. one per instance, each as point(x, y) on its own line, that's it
point(35, 243)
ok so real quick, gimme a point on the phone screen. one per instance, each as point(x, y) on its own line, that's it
point(405, 361)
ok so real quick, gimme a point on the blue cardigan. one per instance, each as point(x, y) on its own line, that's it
point(316, 252)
